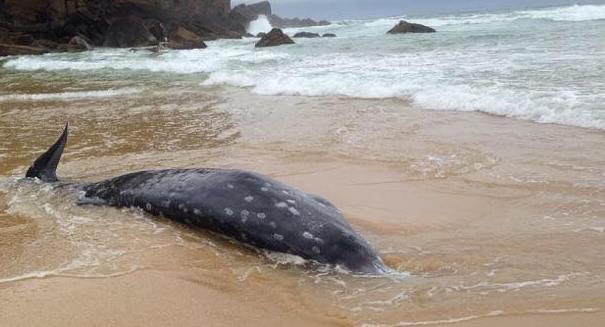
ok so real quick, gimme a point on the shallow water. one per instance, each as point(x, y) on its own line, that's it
point(478, 220)
point(480, 216)
point(540, 65)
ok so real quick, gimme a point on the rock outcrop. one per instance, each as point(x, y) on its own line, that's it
point(279, 22)
point(51, 24)
point(186, 45)
point(329, 35)
point(128, 32)
point(244, 14)
point(182, 38)
point(274, 38)
point(308, 35)
point(39, 26)
point(77, 44)
point(405, 27)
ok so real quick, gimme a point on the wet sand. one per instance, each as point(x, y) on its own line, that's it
point(164, 298)
point(488, 220)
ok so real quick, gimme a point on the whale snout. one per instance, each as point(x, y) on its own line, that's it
point(355, 254)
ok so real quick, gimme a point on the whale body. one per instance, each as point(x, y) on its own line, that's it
point(245, 206)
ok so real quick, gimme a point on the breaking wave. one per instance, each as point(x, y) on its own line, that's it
point(516, 69)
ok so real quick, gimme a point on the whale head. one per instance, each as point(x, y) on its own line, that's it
point(349, 250)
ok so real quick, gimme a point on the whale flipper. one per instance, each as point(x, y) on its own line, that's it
point(45, 167)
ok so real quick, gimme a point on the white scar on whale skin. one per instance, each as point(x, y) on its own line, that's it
point(249, 198)
point(261, 215)
point(307, 235)
point(281, 205)
point(278, 237)
point(245, 214)
point(229, 212)
point(294, 211)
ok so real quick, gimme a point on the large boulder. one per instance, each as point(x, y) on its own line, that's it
point(406, 27)
point(180, 33)
point(182, 38)
point(128, 32)
point(78, 44)
point(274, 38)
point(306, 35)
point(186, 45)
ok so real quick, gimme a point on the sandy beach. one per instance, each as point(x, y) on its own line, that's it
point(486, 220)
point(463, 141)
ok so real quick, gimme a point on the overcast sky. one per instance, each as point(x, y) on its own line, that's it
point(339, 9)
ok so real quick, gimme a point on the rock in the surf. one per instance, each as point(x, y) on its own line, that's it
point(181, 38)
point(329, 35)
point(274, 38)
point(185, 45)
point(77, 44)
point(306, 35)
point(405, 27)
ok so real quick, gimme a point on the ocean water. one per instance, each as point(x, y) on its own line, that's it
point(543, 65)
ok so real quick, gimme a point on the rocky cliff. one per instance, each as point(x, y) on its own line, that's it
point(46, 24)
point(38, 26)
point(59, 11)
point(244, 14)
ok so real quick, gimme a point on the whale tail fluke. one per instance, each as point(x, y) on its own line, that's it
point(45, 167)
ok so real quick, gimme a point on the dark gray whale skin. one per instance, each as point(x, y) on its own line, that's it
point(248, 207)
point(245, 206)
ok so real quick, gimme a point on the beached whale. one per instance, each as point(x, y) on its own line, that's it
point(245, 206)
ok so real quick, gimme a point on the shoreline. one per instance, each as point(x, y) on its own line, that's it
point(186, 301)
point(487, 214)
point(374, 198)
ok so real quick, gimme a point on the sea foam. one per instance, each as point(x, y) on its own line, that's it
point(260, 25)
point(575, 13)
point(530, 65)
point(66, 96)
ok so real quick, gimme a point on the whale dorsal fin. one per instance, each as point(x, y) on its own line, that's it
point(45, 167)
